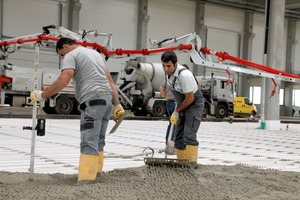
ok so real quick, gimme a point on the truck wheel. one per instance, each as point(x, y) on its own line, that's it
point(205, 111)
point(253, 113)
point(64, 105)
point(159, 109)
point(221, 111)
point(47, 109)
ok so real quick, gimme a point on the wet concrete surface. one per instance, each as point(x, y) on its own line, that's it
point(211, 182)
point(236, 145)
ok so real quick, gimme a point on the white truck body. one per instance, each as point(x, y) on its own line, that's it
point(219, 95)
point(141, 82)
point(17, 92)
point(138, 92)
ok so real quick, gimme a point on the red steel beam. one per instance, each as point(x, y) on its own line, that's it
point(222, 56)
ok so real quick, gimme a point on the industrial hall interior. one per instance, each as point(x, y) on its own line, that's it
point(150, 99)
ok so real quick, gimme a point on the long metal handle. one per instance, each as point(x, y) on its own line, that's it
point(172, 127)
point(34, 113)
point(170, 136)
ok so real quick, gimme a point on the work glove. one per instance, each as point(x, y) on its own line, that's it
point(35, 96)
point(118, 111)
point(174, 117)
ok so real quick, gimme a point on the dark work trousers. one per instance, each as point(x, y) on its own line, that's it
point(170, 106)
point(95, 114)
point(189, 120)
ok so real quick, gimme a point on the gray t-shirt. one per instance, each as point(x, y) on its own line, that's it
point(90, 72)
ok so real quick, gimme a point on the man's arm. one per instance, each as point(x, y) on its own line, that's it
point(118, 110)
point(61, 82)
point(189, 98)
point(115, 94)
point(162, 91)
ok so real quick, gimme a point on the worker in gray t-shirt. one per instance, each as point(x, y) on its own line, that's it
point(94, 90)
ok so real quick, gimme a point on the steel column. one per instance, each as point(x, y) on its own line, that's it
point(244, 89)
point(142, 26)
point(74, 15)
point(1, 19)
point(289, 63)
point(200, 30)
point(274, 57)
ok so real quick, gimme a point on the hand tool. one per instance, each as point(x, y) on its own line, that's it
point(115, 127)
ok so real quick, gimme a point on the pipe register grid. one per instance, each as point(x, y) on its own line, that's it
point(220, 143)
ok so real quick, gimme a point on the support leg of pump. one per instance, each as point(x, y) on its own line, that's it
point(262, 125)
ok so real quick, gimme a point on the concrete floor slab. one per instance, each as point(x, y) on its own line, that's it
point(220, 143)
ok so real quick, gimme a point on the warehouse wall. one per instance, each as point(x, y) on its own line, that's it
point(171, 21)
point(29, 16)
point(297, 50)
point(118, 17)
point(224, 33)
point(20, 18)
point(225, 27)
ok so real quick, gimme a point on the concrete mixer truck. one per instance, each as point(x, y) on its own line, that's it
point(140, 91)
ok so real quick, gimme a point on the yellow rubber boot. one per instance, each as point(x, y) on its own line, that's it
point(100, 162)
point(180, 154)
point(192, 155)
point(88, 166)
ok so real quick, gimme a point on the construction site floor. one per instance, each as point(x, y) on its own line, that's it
point(236, 161)
point(219, 143)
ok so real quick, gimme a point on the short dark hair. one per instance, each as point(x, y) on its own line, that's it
point(169, 56)
point(62, 41)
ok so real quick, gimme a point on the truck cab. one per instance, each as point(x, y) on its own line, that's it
point(243, 107)
point(218, 94)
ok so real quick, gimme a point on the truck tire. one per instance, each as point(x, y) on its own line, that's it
point(49, 110)
point(64, 105)
point(205, 111)
point(221, 111)
point(253, 113)
point(159, 109)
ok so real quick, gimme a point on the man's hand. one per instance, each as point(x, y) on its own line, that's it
point(118, 111)
point(174, 117)
point(35, 96)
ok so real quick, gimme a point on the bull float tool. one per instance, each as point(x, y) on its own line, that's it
point(34, 111)
point(38, 125)
point(169, 150)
